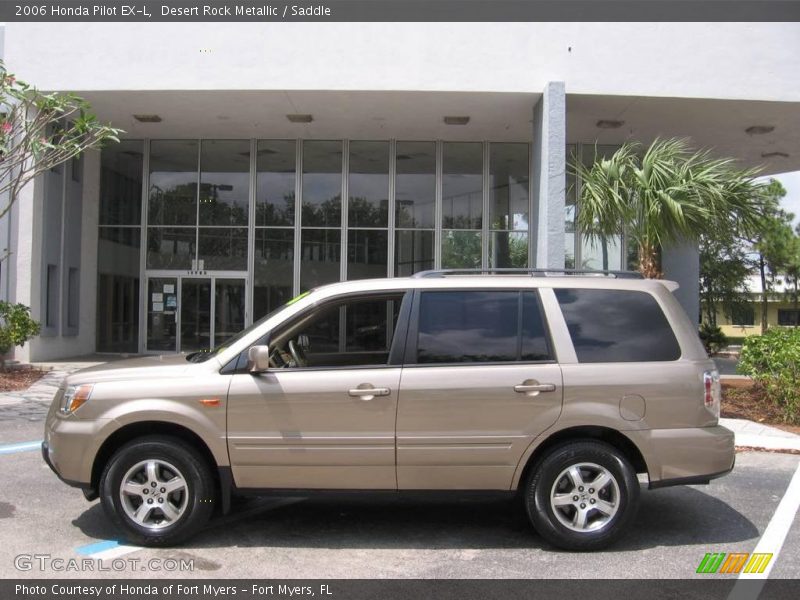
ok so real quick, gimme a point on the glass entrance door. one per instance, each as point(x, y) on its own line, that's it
point(229, 312)
point(190, 313)
point(162, 314)
point(195, 314)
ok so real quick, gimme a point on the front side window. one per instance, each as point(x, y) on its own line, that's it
point(482, 326)
point(617, 326)
point(354, 332)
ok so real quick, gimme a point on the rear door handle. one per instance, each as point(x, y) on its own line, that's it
point(533, 389)
point(368, 393)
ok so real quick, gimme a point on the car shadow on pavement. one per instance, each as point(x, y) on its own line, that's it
point(94, 523)
point(669, 517)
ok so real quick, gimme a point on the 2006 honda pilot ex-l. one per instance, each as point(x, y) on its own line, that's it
point(561, 388)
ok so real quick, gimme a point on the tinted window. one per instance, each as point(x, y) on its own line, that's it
point(355, 332)
point(480, 326)
point(534, 334)
point(617, 326)
point(367, 327)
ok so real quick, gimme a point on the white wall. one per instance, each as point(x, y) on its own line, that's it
point(717, 60)
point(28, 262)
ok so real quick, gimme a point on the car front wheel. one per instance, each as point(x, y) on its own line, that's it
point(158, 490)
point(582, 495)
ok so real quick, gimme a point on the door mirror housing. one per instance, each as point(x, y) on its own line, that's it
point(258, 359)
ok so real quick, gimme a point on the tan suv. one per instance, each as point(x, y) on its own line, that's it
point(560, 388)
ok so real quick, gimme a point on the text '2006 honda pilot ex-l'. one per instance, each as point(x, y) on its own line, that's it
point(561, 388)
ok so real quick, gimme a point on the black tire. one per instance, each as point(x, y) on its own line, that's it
point(195, 507)
point(548, 472)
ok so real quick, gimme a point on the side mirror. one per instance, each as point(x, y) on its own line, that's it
point(258, 359)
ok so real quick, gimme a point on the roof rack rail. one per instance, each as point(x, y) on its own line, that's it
point(531, 272)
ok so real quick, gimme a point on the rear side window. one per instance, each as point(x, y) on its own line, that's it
point(475, 326)
point(617, 326)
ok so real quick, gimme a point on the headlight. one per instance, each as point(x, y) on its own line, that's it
point(75, 396)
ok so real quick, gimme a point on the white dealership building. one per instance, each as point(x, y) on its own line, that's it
point(260, 160)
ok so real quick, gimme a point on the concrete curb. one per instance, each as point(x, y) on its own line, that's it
point(755, 435)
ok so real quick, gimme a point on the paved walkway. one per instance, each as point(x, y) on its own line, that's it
point(32, 405)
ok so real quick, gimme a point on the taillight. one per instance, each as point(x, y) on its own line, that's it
point(712, 391)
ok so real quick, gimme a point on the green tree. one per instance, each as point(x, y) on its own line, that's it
point(771, 241)
point(792, 270)
point(773, 362)
point(724, 270)
point(517, 251)
point(16, 328)
point(461, 250)
point(664, 193)
point(39, 131)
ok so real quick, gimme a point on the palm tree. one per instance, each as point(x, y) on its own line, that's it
point(664, 193)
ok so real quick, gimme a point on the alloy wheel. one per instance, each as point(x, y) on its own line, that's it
point(585, 497)
point(154, 494)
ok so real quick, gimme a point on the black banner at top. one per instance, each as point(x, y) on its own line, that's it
point(399, 10)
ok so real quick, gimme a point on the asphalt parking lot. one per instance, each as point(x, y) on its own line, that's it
point(388, 537)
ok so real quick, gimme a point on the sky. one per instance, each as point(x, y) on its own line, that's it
point(791, 202)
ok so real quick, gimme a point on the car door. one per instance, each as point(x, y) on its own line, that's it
point(328, 423)
point(478, 385)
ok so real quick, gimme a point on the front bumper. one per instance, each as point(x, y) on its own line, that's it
point(687, 456)
point(69, 448)
point(49, 461)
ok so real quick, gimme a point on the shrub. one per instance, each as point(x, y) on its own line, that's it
point(713, 339)
point(773, 361)
point(16, 327)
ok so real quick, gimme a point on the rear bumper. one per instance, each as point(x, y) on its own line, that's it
point(687, 456)
point(693, 480)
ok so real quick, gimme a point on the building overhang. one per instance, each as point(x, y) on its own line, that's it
point(720, 125)
point(380, 115)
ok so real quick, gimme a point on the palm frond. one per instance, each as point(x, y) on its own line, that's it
point(664, 193)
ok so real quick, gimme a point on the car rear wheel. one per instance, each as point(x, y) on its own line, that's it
point(158, 490)
point(582, 495)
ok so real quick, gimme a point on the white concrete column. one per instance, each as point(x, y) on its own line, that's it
point(681, 262)
point(62, 342)
point(89, 238)
point(26, 254)
point(549, 177)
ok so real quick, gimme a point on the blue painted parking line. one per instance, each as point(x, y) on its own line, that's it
point(96, 547)
point(21, 447)
point(106, 550)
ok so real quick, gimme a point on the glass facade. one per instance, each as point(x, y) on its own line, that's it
point(415, 207)
point(119, 247)
point(509, 205)
point(202, 237)
point(462, 205)
point(321, 214)
point(274, 233)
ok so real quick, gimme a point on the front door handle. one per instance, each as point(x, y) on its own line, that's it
point(532, 387)
point(368, 393)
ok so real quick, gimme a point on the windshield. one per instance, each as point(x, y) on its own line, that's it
point(204, 355)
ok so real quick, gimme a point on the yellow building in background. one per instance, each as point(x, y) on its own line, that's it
point(781, 312)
